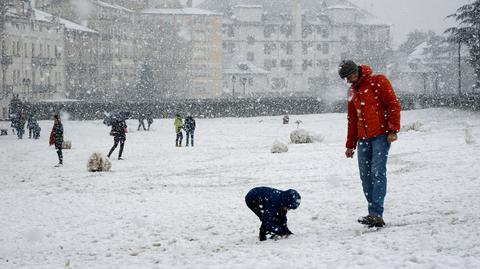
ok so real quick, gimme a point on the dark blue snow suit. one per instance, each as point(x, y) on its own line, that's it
point(270, 205)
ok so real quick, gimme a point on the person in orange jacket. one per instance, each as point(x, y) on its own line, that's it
point(373, 124)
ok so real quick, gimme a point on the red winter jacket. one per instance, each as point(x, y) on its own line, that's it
point(373, 108)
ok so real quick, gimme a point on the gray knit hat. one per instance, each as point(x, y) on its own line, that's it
point(346, 68)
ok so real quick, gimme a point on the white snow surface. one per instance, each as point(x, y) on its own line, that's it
point(168, 207)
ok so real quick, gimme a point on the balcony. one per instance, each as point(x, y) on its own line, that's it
point(6, 60)
point(39, 61)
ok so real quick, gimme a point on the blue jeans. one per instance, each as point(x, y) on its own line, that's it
point(372, 163)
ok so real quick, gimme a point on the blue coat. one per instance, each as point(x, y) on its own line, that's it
point(273, 202)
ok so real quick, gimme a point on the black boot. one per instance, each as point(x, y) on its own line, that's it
point(372, 221)
point(262, 235)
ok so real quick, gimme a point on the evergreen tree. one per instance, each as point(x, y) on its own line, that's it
point(468, 33)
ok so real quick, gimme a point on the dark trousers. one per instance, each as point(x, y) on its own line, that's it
point(141, 124)
point(30, 132)
point(189, 134)
point(178, 140)
point(116, 141)
point(254, 205)
point(58, 146)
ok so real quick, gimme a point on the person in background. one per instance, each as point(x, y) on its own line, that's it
point(373, 124)
point(271, 207)
point(189, 128)
point(149, 121)
point(56, 138)
point(20, 124)
point(178, 123)
point(141, 122)
point(32, 122)
point(119, 130)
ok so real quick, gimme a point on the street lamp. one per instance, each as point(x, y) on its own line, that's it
point(234, 78)
point(244, 82)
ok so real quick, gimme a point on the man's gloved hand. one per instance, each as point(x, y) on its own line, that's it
point(349, 153)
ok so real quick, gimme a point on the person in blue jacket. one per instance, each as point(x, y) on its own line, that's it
point(271, 207)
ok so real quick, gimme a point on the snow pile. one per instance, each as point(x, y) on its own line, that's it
point(414, 126)
point(301, 136)
point(98, 163)
point(469, 137)
point(279, 147)
point(67, 144)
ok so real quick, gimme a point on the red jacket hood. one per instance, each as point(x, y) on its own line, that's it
point(366, 72)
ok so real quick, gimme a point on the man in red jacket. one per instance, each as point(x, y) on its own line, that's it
point(373, 124)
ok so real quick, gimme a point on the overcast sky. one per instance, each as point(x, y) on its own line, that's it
point(408, 15)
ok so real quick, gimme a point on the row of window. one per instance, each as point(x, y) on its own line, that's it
point(42, 77)
point(288, 64)
point(284, 30)
point(22, 49)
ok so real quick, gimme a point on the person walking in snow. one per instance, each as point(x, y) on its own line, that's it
point(271, 207)
point(178, 123)
point(119, 130)
point(20, 124)
point(141, 122)
point(32, 123)
point(56, 138)
point(373, 124)
point(189, 128)
point(149, 121)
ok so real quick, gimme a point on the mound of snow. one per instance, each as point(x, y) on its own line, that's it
point(469, 137)
point(98, 163)
point(67, 144)
point(279, 147)
point(413, 126)
point(301, 136)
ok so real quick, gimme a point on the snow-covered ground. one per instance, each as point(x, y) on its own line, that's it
point(168, 207)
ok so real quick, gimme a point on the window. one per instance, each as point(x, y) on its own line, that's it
point(307, 30)
point(40, 53)
point(286, 29)
point(325, 48)
point(288, 47)
point(322, 31)
point(48, 51)
point(230, 31)
point(268, 31)
point(19, 48)
point(25, 50)
point(13, 48)
point(287, 64)
point(33, 50)
point(306, 64)
point(278, 83)
point(306, 47)
point(323, 64)
point(250, 40)
point(269, 64)
point(268, 48)
point(250, 56)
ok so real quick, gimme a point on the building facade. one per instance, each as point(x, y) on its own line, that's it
point(32, 66)
point(300, 43)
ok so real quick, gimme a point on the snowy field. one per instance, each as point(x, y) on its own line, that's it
point(168, 207)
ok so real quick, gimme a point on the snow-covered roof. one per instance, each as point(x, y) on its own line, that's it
point(113, 6)
point(43, 16)
point(180, 11)
point(245, 68)
point(340, 7)
point(247, 6)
